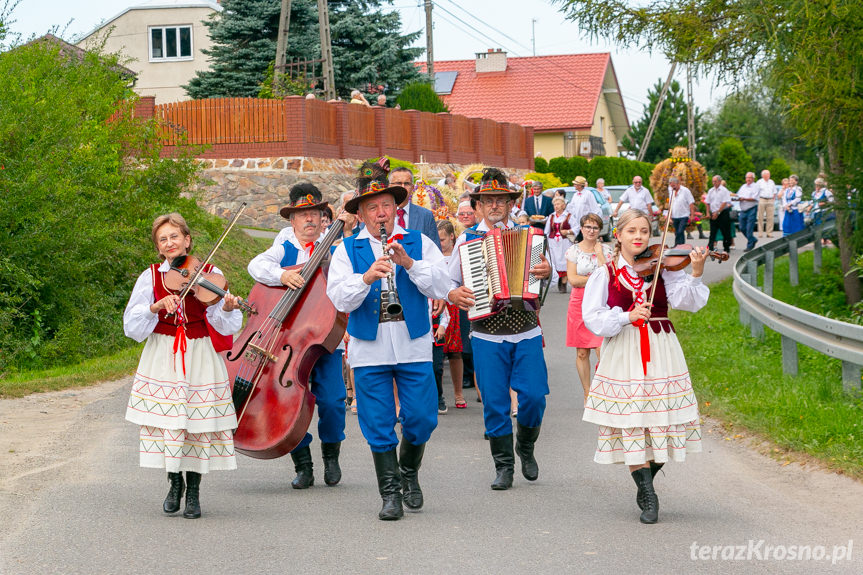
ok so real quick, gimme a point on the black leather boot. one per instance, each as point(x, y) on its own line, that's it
point(644, 480)
point(175, 493)
point(654, 469)
point(561, 285)
point(303, 466)
point(410, 459)
point(193, 502)
point(389, 485)
point(504, 461)
point(332, 471)
point(524, 440)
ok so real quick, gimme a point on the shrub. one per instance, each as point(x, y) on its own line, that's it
point(548, 180)
point(540, 165)
point(733, 161)
point(421, 96)
point(779, 170)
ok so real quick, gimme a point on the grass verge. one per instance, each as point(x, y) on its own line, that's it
point(86, 373)
point(739, 380)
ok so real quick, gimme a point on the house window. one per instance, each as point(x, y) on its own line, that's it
point(170, 43)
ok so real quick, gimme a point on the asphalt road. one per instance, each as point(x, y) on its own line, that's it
point(96, 511)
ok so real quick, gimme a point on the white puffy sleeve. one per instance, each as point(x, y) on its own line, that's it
point(224, 322)
point(685, 292)
point(266, 267)
point(138, 321)
point(346, 289)
point(600, 319)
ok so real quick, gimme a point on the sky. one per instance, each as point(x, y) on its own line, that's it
point(461, 29)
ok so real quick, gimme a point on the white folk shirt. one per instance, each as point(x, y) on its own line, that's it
point(766, 189)
point(748, 196)
point(682, 200)
point(716, 197)
point(684, 292)
point(139, 322)
point(638, 199)
point(393, 344)
point(266, 268)
point(455, 274)
point(581, 204)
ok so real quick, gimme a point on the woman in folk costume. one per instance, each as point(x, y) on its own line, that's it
point(180, 395)
point(559, 232)
point(792, 219)
point(641, 395)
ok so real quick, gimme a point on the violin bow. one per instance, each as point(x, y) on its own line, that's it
point(661, 249)
point(200, 270)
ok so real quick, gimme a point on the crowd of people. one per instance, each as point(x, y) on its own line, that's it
point(388, 369)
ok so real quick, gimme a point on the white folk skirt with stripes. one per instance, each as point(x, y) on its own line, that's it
point(652, 417)
point(187, 421)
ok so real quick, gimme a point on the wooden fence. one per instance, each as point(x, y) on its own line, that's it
point(251, 127)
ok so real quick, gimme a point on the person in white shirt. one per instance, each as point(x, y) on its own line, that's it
point(766, 204)
point(390, 344)
point(748, 196)
point(682, 208)
point(581, 204)
point(639, 198)
point(327, 380)
point(641, 394)
point(507, 348)
point(180, 394)
point(718, 204)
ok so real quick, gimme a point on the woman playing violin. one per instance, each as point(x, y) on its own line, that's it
point(180, 395)
point(641, 395)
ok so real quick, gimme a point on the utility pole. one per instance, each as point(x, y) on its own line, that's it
point(643, 149)
point(533, 34)
point(326, 50)
point(429, 42)
point(281, 47)
point(690, 112)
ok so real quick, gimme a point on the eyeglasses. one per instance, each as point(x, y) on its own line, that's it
point(173, 238)
point(464, 214)
point(590, 228)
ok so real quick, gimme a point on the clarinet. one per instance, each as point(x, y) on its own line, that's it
point(394, 306)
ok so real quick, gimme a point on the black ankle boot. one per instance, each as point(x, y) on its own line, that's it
point(332, 471)
point(303, 466)
point(504, 461)
point(524, 441)
point(644, 480)
point(561, 285)
point(389, 485)
point(175, 493)
point(193, 502)
point(654, 469)
point(410, 459)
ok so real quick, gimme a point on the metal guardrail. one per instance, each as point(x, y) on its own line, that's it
point(758, 308)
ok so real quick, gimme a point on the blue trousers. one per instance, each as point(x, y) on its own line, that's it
point(328, 387)
point(500, 366)
point(680, 229)
point(746, 223)
point(377, 405)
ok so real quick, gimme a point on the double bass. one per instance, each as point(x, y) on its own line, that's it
point(272, 358)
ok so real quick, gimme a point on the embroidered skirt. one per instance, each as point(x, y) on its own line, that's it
point(643, 417)
point(187, 420)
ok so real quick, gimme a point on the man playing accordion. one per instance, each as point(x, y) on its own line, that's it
point(507, 346)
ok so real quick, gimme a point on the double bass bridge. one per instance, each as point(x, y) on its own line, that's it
point(255, 351)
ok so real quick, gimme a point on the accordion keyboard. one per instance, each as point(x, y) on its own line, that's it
point(476, 278)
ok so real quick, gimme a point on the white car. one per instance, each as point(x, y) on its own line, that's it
point(617, 191)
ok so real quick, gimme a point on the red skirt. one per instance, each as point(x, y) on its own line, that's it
point(453, 332)
point(577, 334)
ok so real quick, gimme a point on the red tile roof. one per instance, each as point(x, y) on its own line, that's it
point(550, 93)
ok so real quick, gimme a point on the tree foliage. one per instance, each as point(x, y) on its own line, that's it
point(732, 163)
point(369, 52)
point(421, 96)
point(807, 52)
point(670, 130)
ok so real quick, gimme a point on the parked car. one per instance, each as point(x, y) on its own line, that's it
point(617, 191)
point(603, 205)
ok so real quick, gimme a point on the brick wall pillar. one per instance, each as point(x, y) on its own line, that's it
point(145, 107)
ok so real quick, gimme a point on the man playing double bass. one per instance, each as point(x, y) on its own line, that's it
point(327, 381)
point(388, 343)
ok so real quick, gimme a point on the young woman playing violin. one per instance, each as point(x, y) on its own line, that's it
point(641, 394)
point(180, 395)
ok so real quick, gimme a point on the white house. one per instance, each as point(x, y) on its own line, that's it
point(163, 40)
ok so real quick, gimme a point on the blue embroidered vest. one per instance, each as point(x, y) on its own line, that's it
point(363, 321)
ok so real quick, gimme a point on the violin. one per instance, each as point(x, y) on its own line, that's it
point(673, 259)
point(185, 274)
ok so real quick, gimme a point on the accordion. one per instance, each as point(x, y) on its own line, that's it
point(496, 268)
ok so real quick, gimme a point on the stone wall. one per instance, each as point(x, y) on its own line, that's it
point(264, 183)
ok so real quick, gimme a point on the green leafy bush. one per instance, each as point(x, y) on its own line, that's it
point(548, 180)
point(540, 165)
point(733, 161)
point(421, 96)
point(617, 171)
point(779, 170)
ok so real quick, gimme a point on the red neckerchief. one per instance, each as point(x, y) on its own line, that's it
point(311, 246)
point(180, 336)
point(637, 284)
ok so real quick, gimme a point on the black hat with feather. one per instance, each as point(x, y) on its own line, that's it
point(303, 196)
point(372, 181)
point(494, 183)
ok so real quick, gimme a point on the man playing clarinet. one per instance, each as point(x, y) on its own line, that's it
point(382, 265)
point(507, 347)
